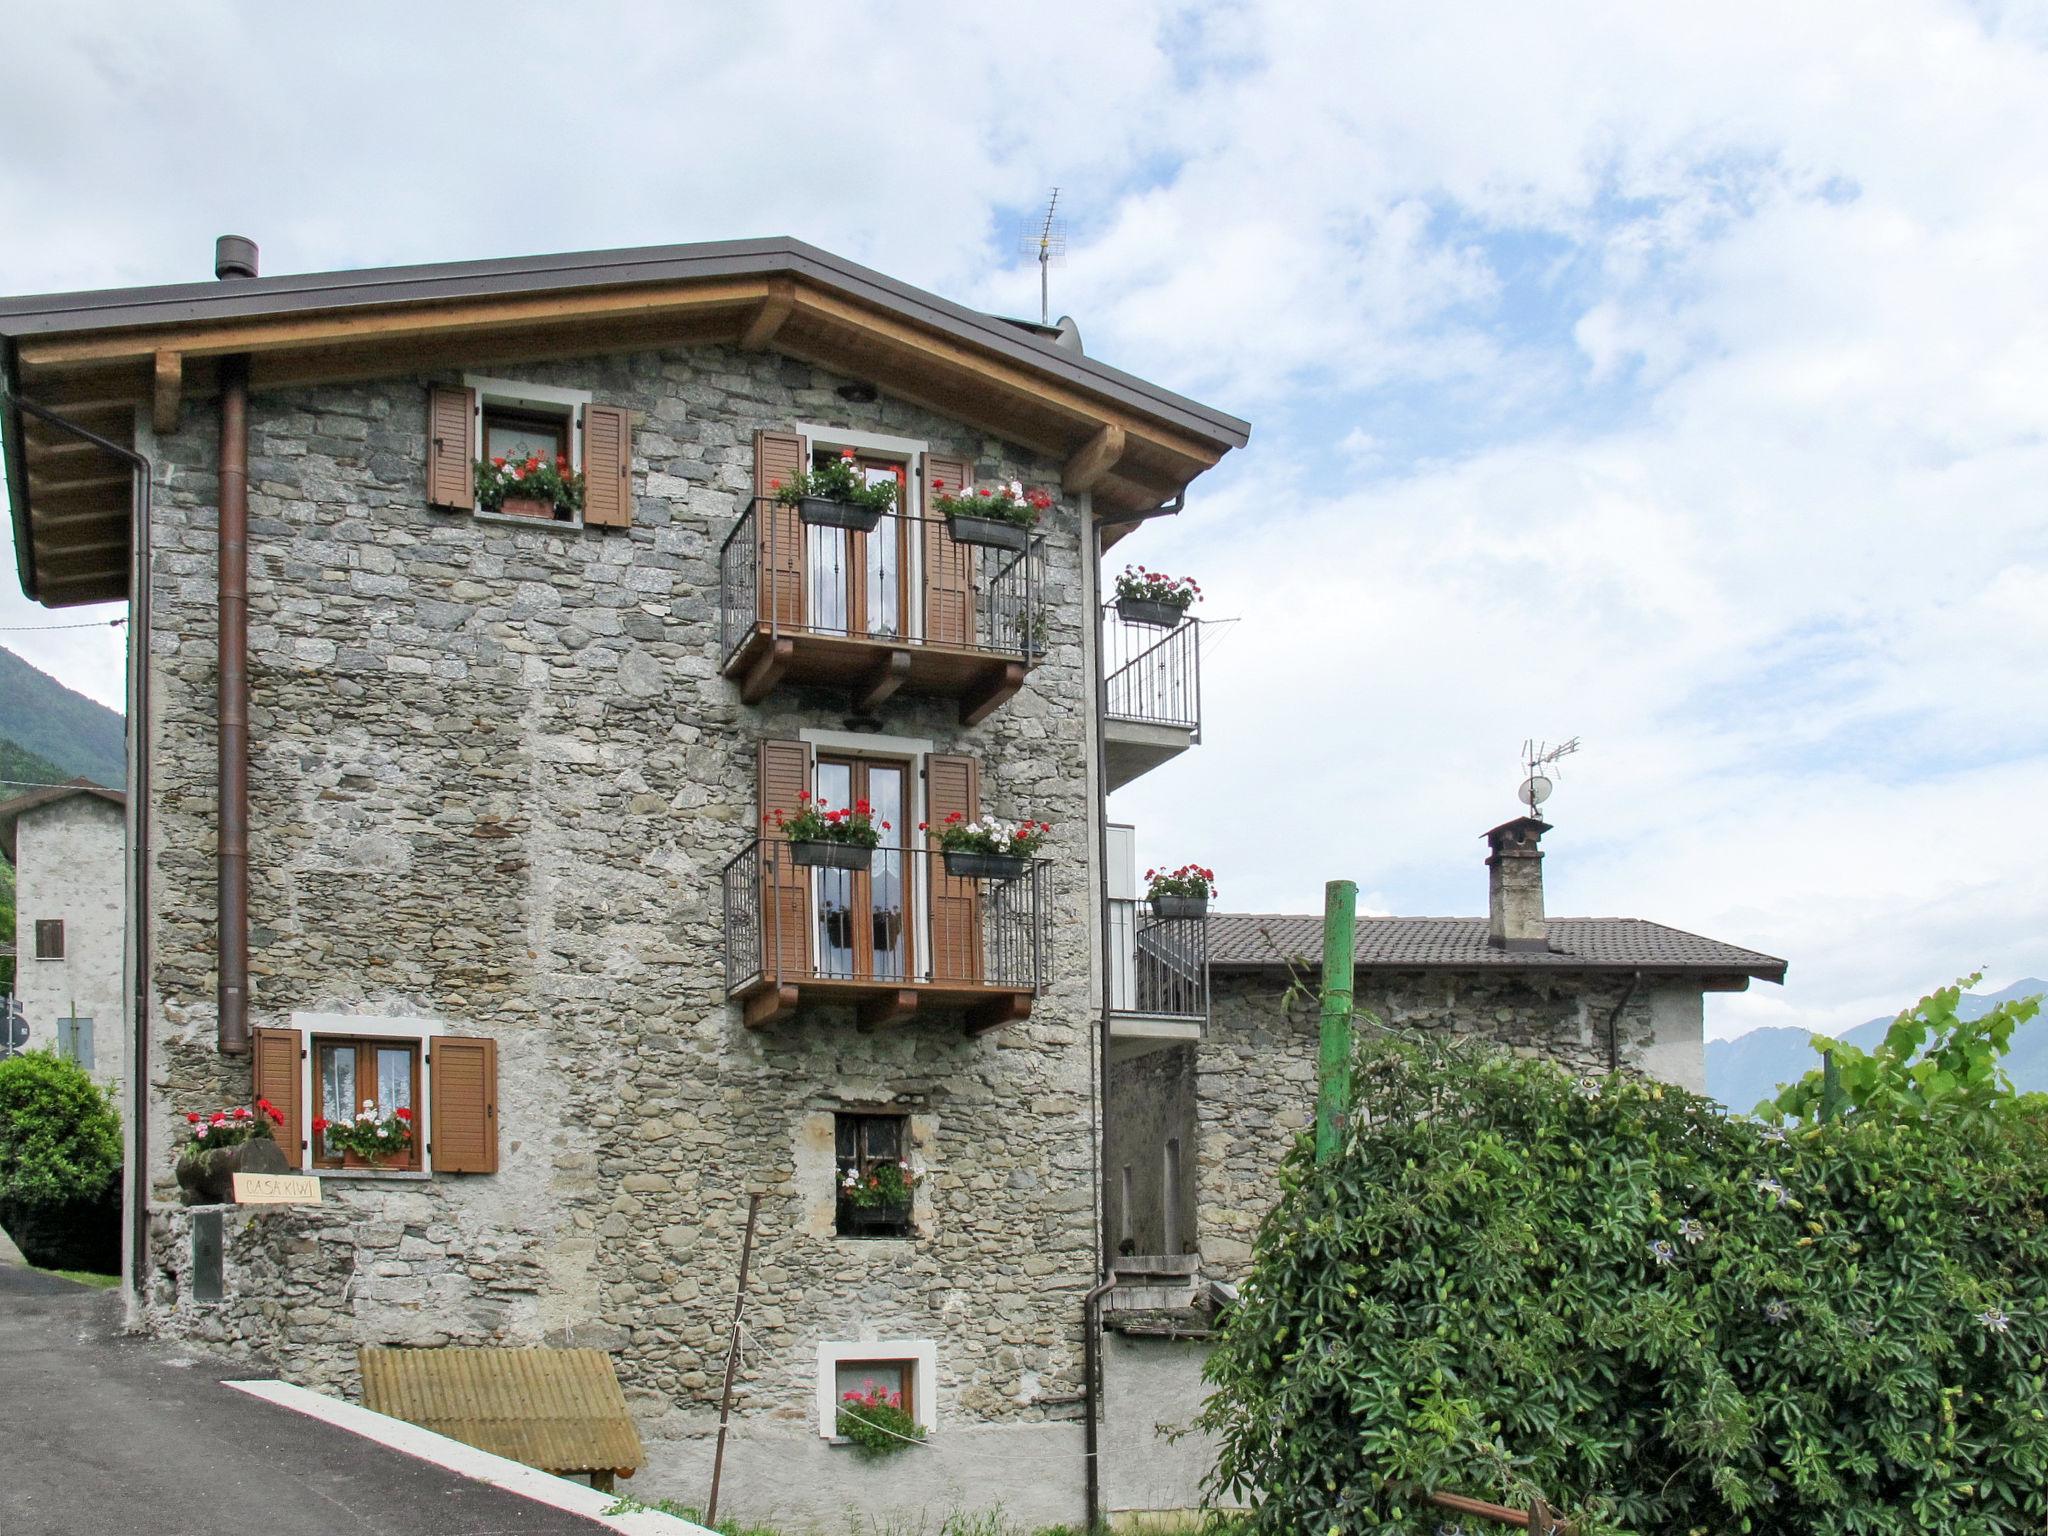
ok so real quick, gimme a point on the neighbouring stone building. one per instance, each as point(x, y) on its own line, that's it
point(461, 806)
point(70, 926)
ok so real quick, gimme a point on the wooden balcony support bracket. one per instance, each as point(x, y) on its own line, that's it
point(773, 314)
point(768, 1005)
point(992, 693)
point(1010, 1008)
point(170, 386)
point(1096, 458)
point(888, 1008)
point(890, 673)
point(767, 671)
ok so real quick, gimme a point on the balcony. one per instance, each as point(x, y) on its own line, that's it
point(902, 608)
point(896, 940)
point(1158, 978)
point(1152, 708)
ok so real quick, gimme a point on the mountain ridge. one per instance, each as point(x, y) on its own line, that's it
point(76, 736)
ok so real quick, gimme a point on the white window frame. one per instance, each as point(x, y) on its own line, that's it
point(912, 450)
point(862, 744)
point(419, 1032)
point(521, 395)
point(923, 1355)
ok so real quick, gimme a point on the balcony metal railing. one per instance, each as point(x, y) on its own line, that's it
point(907, 583)
point(1154, 676)
point(903, 922)
point(1159, 966)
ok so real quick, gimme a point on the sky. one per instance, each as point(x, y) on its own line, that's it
point(1675, 378)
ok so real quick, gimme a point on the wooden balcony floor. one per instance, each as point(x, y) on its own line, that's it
point(881, 1002)
point(872, 669)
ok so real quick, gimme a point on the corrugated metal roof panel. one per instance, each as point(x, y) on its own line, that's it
point(557, 1409)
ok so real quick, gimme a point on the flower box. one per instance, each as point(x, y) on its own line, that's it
point(207, 1177)
point(985, 866)
point(886, 1220)
point(823, 855)
point(1180, 906)
point(829, 512)
point(1150, 612)
point(528, 506)
point(991, 532)
point(388, 1160)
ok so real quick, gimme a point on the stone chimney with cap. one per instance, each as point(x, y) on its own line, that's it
point(1514, 886)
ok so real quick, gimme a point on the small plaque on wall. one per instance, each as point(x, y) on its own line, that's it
point(276, 1189)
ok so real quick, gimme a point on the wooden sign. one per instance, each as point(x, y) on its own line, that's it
point(276, 1189)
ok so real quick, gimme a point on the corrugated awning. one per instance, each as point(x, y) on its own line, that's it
point(560, 1410)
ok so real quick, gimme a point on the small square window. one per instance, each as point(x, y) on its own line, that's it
point(902, 1372)
point(49, 938)
point(351, 1076)
point(894, 1380)
point(873, 1170)
point(519, 434)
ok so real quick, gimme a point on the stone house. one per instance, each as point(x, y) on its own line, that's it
point(463, 805)
point(66, 844)
point(1197, 1128)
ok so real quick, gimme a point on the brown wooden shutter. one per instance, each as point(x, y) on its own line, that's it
point(275, 1055)
point(785, 772)
point(462, 1136)
point(607, 466)
point(451, 449)
point(948, 567)
point(779, 532)
point(953, 784)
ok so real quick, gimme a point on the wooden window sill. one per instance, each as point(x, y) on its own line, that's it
point(571, 525)
point(375, 1175)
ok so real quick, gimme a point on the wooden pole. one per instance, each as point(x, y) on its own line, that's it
point(732, 1359)
point(1333, 1066)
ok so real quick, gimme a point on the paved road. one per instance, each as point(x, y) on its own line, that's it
point(103, 1435)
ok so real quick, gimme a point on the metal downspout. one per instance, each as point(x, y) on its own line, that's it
point(141, 473)
point(234, 258)
point(1091, 1335)
point(1635, 980)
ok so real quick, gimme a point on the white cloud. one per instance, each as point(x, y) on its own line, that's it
point(1739, 478)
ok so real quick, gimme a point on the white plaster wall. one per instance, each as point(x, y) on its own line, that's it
point(1676, 1051)
point(69, 865)
point(1153, 1461)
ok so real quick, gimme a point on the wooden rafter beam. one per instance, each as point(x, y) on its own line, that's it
point(888, 1008)
point(769, 1004)
point(992, 693)
point(1010, 1008)
point(168, 388)
point(770, 317)
point(762, 677)
point(1095, 460)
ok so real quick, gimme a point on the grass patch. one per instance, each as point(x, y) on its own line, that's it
point(84, 1277)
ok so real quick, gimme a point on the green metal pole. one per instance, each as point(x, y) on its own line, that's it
point(1333, 1067)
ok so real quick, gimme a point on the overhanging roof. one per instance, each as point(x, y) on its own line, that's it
point(1249, 941)
point(98, 356)
point(11, 811)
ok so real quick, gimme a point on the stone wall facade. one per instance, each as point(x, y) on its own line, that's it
point(70, 865)
point(1256, 1066)
point(495, 775)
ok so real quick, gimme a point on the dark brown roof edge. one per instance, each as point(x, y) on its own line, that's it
point(184, 303)
point(13, 810)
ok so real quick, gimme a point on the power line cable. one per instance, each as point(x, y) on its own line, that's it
point(16, 629)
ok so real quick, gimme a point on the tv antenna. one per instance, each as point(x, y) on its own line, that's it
point(1048, 242)
point(1536, 757)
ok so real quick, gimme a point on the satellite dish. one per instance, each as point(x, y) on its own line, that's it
point(1534, 791)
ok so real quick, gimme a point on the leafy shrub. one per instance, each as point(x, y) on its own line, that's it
point(1932, 1061)
point(1660, 1318)
point(875, 1421)
point(60, 1132)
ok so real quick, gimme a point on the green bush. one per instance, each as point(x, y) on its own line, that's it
point(1660, 1318)
point(60, 1132)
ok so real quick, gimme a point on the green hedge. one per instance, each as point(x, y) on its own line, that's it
point(60, 1162)
point(1662, 1319)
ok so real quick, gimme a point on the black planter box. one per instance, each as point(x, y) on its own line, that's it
point(985, 866)
point(824, 512)
point(1180, 906)
point(874, 1220)
point(1150, 612)
point(820, 855)
point(994, 532)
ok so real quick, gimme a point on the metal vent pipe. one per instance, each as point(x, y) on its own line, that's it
point(234, 257)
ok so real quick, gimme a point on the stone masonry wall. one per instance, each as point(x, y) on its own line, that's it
point(495, 775)
point(1256, 1068)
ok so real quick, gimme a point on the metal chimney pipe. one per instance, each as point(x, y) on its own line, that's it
point(234, 257)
